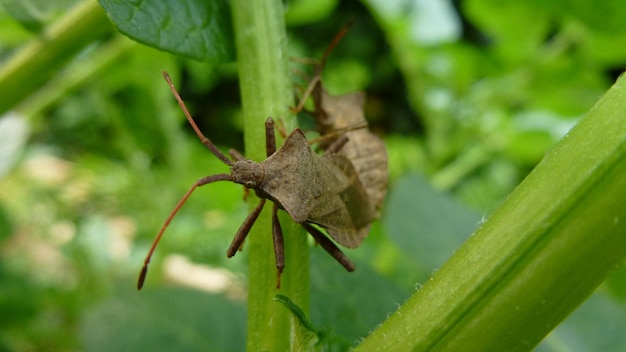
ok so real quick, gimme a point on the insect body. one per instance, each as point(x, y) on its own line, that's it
point(364, 149)
point(313, 189)
point(310, 188)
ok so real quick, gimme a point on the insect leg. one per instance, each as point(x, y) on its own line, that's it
point(329, 246)
point(236, 155)
point(319, 67)
point(207, 142)
point(307, 92)
point(338, 133)
point(279, 248)
point(270, 137)
point(336, 146)
point(244, 229)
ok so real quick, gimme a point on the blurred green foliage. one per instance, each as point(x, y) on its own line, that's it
point(468, 96)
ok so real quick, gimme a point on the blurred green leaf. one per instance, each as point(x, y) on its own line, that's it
point(600, 317)
point(25, 12)
point(166, 319)
point(616, 283)
point(425, 224)
point(506, 23)
point(305, 336)
point(198, 29)
point(349, 304)
point(606, 16)
point(34, 14)
point(303, 11)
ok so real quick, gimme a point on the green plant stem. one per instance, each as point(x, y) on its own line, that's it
point(454, 172)
point(266, 91)
point(58, 43)
point(78, 73)
point(559, 234)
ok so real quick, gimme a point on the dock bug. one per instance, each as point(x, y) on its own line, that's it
point(313, 189)
point(343, 117)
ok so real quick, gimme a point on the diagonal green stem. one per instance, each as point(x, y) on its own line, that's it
point(57, 44)
point(266, 91)
point(537, 258)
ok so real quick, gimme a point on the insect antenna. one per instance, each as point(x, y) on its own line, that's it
point(333, 44)
point(207, 142)
point(329, 136)
point(201, 182)
point(319, 67)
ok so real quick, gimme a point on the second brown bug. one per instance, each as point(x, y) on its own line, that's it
point(343, 117)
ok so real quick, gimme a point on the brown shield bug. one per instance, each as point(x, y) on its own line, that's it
point(365, 150)
point(323, 190)
point(343, 117)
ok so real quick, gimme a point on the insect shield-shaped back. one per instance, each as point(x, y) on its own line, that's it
point(291, 178)
point(323, 190)
point(349, 218)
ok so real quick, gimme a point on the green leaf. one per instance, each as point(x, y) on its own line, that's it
point(350, 304)
point(303, 11)
point(305, 336)
point(201, 30)
point(605, 16)
point(26, 13)
point(600, 317)
point(169, 319)
point(426, 224)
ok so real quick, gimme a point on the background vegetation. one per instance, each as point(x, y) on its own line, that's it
point(94, 153)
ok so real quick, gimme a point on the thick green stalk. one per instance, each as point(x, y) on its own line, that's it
point(44, 55)
point(537, 258)
point(266, 91)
